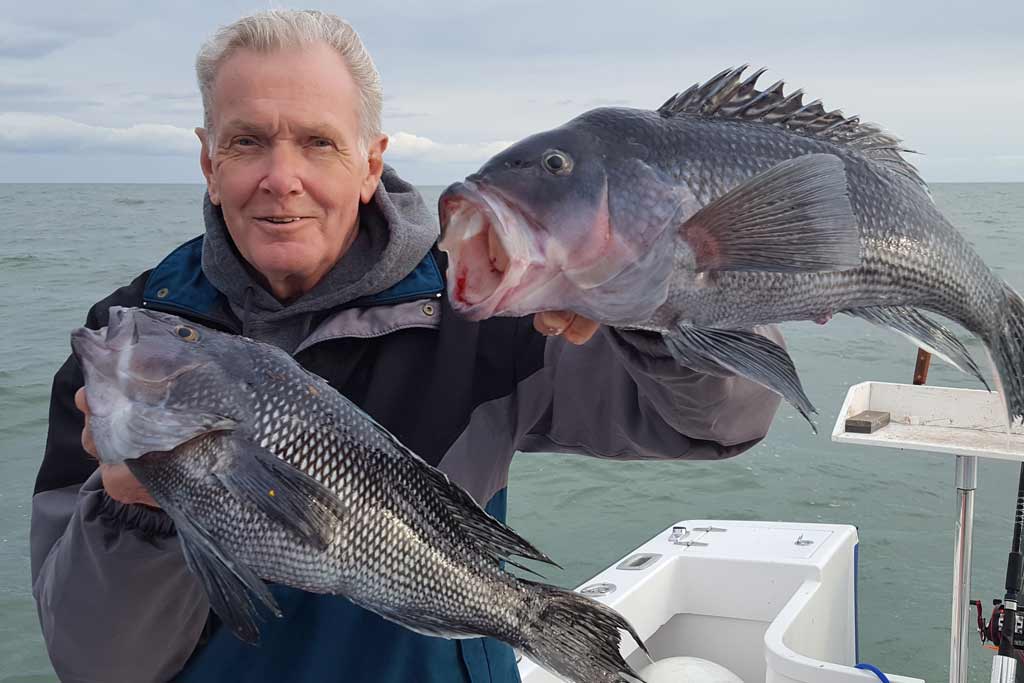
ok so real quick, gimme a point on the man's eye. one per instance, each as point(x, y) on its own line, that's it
point(322, 142)
point(245, 141)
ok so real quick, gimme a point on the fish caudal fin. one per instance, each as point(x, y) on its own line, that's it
point(578, 638)
point(744, 353)
point(230, 585)
point(1007, 350)
point(924, 332)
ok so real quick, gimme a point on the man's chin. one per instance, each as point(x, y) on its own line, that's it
point(289, 270)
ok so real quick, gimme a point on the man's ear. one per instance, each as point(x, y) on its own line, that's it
point(375, 167)
point(206, 163)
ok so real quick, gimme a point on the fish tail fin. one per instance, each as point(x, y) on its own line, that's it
point(578, 637)
point(1007, 349)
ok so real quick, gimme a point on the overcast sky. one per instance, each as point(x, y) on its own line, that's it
point(104, 91)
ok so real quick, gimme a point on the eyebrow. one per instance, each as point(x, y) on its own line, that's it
point(317, 129)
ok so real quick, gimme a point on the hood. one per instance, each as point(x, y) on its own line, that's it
point(396, 230)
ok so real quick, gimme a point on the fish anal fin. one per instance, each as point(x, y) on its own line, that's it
point(794, 217)
point(924, 332)
point(744, 353)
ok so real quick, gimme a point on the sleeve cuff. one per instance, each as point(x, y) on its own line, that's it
point(150, 522)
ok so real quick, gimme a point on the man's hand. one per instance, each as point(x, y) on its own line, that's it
point(575, 328)
point(119, 482)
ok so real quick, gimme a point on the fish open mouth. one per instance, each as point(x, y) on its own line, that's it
point(488, 257)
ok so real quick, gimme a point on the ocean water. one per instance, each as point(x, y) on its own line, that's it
point(66, 246)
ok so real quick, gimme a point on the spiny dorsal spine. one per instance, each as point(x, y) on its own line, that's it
point(726, 96)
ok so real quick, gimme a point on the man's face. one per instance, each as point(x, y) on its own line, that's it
point(286, 168)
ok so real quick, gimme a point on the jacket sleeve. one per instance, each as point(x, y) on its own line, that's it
point(116, 601)
point(622, 395)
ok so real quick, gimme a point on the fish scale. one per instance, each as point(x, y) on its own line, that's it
point(296, 485)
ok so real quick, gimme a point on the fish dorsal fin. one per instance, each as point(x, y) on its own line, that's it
point(730, 96)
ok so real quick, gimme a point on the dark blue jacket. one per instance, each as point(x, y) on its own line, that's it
point(116, 601)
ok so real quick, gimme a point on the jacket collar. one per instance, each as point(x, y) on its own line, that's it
point(178, 285)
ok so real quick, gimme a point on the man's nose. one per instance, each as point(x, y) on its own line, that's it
point(283, 176)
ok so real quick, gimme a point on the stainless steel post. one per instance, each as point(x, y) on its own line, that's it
point(966, 483)
point(1004, 670)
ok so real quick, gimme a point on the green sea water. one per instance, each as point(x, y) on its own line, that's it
point(65, 246)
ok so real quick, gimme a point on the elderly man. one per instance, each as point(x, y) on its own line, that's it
point(313, 244)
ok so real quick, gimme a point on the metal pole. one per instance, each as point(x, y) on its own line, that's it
point(1004, 669)
point(966, 483)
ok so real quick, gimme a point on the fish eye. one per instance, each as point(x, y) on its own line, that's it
point(557, 162)
point(189, 334)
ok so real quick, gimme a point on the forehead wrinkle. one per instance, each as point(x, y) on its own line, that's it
point(314, 129)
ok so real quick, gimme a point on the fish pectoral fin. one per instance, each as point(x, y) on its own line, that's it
point(284, 493)
point(924, 332)
point(794, 217)
point(230, 585)
point(746, 354)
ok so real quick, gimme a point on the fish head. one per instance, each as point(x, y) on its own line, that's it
point(553, 222)
point(153, 382)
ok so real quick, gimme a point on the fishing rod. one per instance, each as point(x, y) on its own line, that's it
point(1004, 662)
point(1005, 629)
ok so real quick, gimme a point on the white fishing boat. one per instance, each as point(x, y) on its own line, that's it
point(777, 601)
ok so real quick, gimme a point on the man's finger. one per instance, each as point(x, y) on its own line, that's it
point(88, 445)
point(80, 401)
point(580, 330)
point(575, 328)
point(552, 323)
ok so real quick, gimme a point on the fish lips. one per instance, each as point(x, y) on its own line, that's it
point(97, 351)
point(490, 248)
point(120, 332)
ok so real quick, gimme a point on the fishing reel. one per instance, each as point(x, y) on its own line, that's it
point(991, 631)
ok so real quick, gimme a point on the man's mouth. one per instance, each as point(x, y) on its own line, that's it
point(281, 220)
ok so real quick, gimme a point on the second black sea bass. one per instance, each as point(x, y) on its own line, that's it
point(269, 473)
point(726, 208)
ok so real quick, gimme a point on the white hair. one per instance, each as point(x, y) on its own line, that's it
point(273, 30)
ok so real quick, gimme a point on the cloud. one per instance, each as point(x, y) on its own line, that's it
point(46, 134)
point(26, 88)
point(39, 96)
point(40, 33)
point(404, 145)
point(25, 133)
point(24, 42)
point(402, 114)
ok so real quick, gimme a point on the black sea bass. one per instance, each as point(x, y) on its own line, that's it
point(269, 473)
point(727, 207)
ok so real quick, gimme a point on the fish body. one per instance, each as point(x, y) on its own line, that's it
point(727, 208)
point(270, 474)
